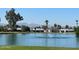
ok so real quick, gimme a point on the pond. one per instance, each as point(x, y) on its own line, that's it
point(40, 39)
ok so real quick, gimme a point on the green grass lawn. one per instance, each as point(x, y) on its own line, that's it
point(34, 48)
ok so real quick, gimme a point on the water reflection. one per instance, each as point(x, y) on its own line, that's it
point(46, 39)
point(40, 39)
point(49, 37)
point(77, 40)
point(11, 39)
point(1, 35)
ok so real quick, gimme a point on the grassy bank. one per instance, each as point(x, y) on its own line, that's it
point(34, 48)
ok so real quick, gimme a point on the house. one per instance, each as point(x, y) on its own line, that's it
point(48, 30)
point(66, 30)
point(9, 29)
point(18, 29)
point(37, 29)
point(54, 29)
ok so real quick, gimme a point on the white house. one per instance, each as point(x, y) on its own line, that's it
point(9, 29)
point(37, 29)
point(48, 30)
point(19, 29)
point(66, 30)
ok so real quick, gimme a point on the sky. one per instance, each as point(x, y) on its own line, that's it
point(61, 16)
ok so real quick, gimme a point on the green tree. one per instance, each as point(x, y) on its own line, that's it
point(1, 28)
point(55, 25)
point(12, 18)
point(67, 26)
point(77, 23)
point(46, 21)
point(59, 27)
point(44, 27)
point(25, 28)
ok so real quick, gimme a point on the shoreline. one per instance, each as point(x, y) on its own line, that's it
point(35, 48)
point(35, 32)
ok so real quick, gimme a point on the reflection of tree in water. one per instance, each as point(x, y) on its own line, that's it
point(46, 39)
point(11, 39)
point(55, 38)
point(1, 35)
point(77, 40)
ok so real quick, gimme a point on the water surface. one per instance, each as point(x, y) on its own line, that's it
point(40, 39)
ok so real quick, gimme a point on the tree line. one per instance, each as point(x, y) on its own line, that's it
point(12, 18)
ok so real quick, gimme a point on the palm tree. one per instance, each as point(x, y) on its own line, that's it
point(46, 21)
point(77, 23)
point(55, 25)
point(59, 26)
point(67, 27)
point(77, 28)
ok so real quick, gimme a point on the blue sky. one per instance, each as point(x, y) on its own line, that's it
point(60, 16)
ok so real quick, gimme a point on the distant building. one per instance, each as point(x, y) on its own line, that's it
point(54, 29)
point(9, 29)
point(66, 30)
point(47, 31)
point(18, 29)
point(37, 29)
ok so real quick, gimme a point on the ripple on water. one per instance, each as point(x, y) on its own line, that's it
point(54, 37)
